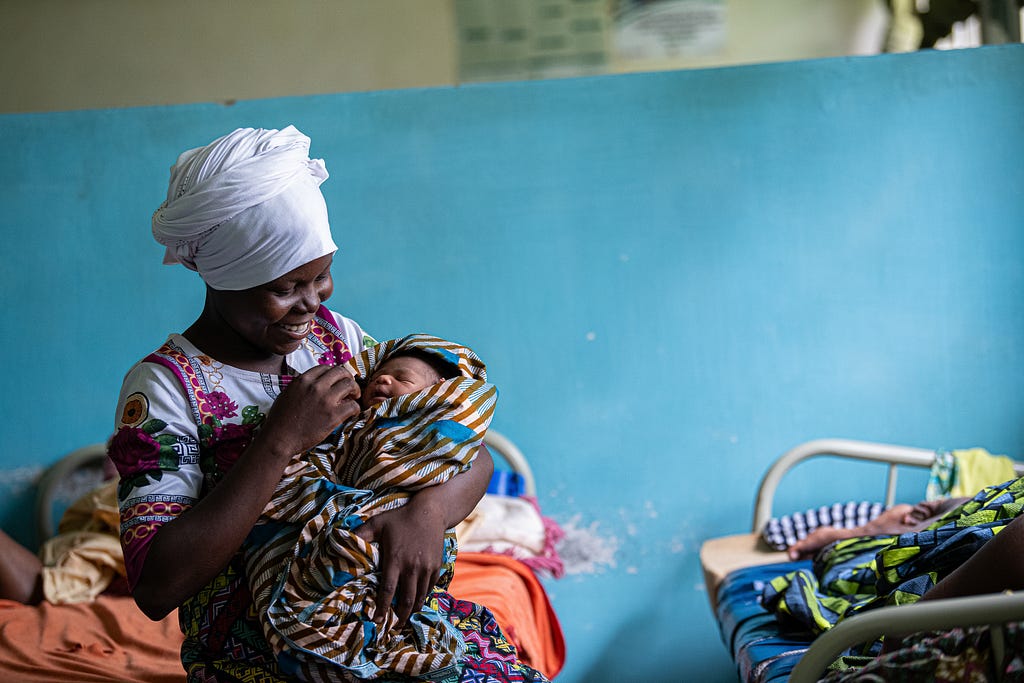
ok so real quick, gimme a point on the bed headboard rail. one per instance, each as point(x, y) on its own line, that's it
point(894, 455)
point(501, 444)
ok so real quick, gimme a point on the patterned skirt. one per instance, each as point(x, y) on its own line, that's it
point(224, 640)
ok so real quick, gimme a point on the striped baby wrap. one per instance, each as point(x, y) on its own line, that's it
point(313, 579)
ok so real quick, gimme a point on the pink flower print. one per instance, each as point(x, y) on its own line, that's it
point(227, 442)
point(220, 405)
point(338, 354)
point(133, 451)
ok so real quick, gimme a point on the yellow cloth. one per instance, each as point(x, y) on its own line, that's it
point(85, 555)
point(976, 468)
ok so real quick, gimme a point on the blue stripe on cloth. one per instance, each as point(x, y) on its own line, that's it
point(453, 430)
point(762, 650)
point(449, 356)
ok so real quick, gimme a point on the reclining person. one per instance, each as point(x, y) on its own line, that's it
point(80, 562)
point(899, 519)
point(972, 548)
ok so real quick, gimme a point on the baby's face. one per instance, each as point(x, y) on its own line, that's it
point(398, 376)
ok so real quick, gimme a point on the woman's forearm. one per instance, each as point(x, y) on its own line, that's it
point(21, 572)
point(208, 535)
point(457, 497)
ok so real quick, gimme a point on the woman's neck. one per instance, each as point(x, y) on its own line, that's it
point(227, 347)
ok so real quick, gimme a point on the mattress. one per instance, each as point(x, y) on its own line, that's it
point(762, 648)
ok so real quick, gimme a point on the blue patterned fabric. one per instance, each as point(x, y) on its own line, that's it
point(763, 651)
point(858, 574)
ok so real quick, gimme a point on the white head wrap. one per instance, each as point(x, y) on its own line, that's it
point(245, 209)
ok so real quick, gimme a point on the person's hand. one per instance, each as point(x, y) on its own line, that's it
point(411, 544)
point(815, 541)
point(926, 509)
point(891, 522)
point(309, 408)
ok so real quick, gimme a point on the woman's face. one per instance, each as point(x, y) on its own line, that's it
point(274, 318)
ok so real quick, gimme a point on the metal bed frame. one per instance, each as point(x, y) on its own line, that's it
point(991, 610)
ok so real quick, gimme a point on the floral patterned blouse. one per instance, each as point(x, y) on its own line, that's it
point(183, 418)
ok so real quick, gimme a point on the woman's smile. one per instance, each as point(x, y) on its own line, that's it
point(298, 331)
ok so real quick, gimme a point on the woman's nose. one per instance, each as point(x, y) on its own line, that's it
point(309, 298)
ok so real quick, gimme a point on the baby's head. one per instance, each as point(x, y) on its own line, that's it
point(405, 372)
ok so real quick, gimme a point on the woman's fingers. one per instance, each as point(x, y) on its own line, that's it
point(310, 407)
point(385, 594)
point(327, 388)
point(403, 589)
point(411, 593)
point(341, 380)
point(405, 602)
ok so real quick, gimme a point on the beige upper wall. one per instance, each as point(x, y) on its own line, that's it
point(84, 54)
point(89, 54)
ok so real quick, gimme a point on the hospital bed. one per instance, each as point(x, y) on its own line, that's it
point(737, 567)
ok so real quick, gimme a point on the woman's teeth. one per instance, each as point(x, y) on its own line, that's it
point(296, 329)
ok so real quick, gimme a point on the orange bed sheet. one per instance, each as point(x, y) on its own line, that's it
point(519, 603)
point(102, 641)
point(111, 640)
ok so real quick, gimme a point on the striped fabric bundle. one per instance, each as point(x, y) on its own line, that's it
point(313, 579)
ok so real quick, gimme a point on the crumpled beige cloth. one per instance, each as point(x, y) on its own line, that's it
point(85, 556)
point(503, 524)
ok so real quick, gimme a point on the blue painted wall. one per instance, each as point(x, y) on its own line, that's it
point(674, 277)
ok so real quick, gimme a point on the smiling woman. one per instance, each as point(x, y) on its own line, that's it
point(256, 328)
point(207, 424)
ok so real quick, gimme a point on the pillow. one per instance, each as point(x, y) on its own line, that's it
point(781, 532)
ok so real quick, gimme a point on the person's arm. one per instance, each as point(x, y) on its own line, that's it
point(21, 572)
point(891, 522)
point(211, 532)
point(898, 519)
point(411, 538)
point(457, 497)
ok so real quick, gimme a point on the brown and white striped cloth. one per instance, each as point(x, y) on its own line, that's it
point(313, 579)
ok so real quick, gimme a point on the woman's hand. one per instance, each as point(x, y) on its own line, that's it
point(411, 545)
point(411, 538)
point(309, 409)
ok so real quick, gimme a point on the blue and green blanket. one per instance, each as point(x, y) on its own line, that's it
point(858, 574)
